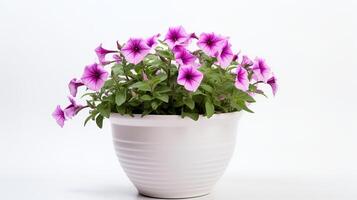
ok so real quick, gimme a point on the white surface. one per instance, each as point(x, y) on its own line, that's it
point(171, 157)
point(299, 145)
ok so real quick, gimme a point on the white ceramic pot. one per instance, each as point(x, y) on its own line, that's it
point(167, 156)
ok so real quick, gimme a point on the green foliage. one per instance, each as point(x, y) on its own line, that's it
point(150, 87)
point(120, 97)
point(209, 107)
point(189, 102)
point(99, 121)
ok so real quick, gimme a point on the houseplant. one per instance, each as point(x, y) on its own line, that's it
point(173, 105)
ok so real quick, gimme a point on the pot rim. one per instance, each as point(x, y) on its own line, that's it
point(171, 120)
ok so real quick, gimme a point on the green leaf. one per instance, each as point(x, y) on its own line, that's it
point(166, 54)
point(108, 83)
point(91, 94)
point(120, 97)
point(189, 103)
point(87, 119)
point(90, 104)
point(118, 69)
point(157, 79)
point(162, 97)
point(261, 93)
point(121, 109)
point(162, 43)
point(244, 107)
point(178, 103)
point(135, 103)
point(155, 104)
point(232, 66)
point(94, 113)
point(99, 121)
point(192, 115)
point(240, 95)
point(198, 92)
point(110, 98)
point(150, 58)
point(146, 112)
point(162, 89)
point(252, 87)
point(207, 88)
point(104, 109)
point(141, 85)
point(146, 97)
point(240, 105)
point(209, 108)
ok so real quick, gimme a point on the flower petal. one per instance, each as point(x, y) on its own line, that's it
point(210, 43)
point(246, 61)
point(152, 41)
point(135, 50)
point(94, 76)
point(242, 81)
point(177, 36)
point(101, 53)
point(183, 56)
point(72, 109)
point(261, 71)
point(59, 116)
point(189, 77)
point(73, 86)
point(117, 58)
point(273, 84)
point(225, 56)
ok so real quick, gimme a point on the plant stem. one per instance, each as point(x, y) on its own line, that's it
point(258, 82)
point(168, 71)
point(82, 108)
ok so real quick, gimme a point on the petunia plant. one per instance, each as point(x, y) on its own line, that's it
point(183, 74)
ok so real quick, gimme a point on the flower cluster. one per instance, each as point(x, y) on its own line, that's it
point(169, 76)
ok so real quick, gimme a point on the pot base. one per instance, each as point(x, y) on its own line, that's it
point(170, 197)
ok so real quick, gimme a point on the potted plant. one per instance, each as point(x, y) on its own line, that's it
point(173, 105)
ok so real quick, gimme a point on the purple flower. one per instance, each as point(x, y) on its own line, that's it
point(145, 77)
point(178, 49)
point(225, 56)
point(117, 58)
point(221, 97)
point(211, 43)
point(152, 41)
point(189, 39)
point(177, 36)
point(58, 115)
point(72, 109)
point(235, 57)
point(273, 84)
point(135, 50)
point(94, 77)
point(189, 77)
point(261, 71)
point(101, 53)
point(246, 61)
point(73, 85)
point(183, 56)
point(242, 81)
point(118, 45)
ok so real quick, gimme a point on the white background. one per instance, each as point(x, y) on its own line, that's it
point(302, 144)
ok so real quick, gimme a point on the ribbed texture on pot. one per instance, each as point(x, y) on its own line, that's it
point(174, 162)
